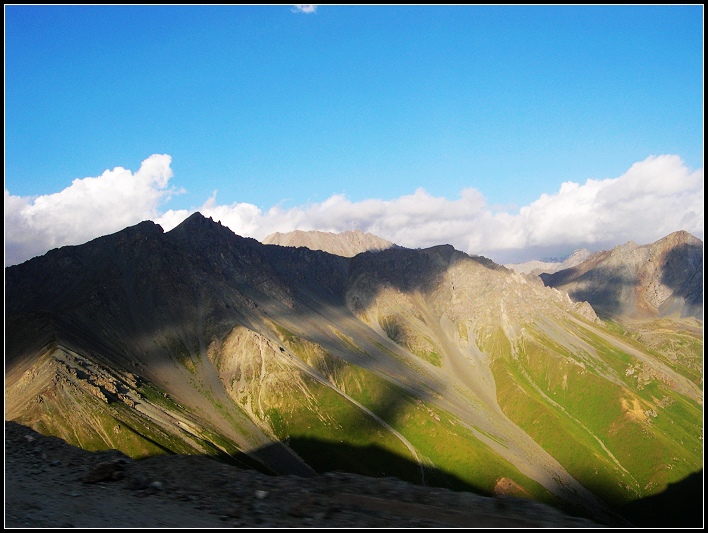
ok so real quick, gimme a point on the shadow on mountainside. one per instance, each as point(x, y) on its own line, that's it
point(193, 290)
point(124, 293)
point(50, 483)
point(375, 462)
point(610, 297)
point(680, 505)
point(141, 300)
point(610, 291)
point(406, 270)
point(682, 272)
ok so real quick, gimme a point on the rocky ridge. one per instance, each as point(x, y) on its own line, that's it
point(660, 279)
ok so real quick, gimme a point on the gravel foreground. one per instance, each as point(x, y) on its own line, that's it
point(50, 484)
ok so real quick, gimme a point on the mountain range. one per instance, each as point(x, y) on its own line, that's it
point(430, 365)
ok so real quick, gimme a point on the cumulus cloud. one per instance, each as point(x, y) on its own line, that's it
point(304, 8)
point(415, 220)
point(88, 208)
point(653, 198)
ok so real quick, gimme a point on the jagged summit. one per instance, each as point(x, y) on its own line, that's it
point(194, 219)
point(198, 224)
point(215, 243)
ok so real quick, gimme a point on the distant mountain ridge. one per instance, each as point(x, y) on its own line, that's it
point(430, 365)
point(345, 244)
point(548, 266)
point(660, 279)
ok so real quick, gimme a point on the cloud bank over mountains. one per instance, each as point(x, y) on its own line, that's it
point(653, 198)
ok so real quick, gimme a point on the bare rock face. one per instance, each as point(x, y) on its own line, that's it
point(346, 244)
point(660, 279)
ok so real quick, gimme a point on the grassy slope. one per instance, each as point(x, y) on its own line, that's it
point(652, 450)
point(455, 456)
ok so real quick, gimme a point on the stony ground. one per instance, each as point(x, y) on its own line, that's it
point(51, 484)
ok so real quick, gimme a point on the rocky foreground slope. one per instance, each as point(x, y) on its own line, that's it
point(50, 484)
point(431, 366)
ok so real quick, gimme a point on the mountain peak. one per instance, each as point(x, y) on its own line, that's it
point(197, 225)
point(195, 220)
point(680, 237)
point(659, 279)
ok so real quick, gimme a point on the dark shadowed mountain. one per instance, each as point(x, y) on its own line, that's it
point(296, 361)
point(655, 280)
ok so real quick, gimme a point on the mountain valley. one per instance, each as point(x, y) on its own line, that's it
point(429, 365)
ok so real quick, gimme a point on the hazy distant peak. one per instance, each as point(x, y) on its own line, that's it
point(629, 245)
point(536, 267)
point(346, 244)
point(576, 257)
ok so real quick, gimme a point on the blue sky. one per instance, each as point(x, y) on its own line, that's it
point(422, 124)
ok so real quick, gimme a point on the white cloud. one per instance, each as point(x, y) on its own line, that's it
point(415, 220)
point(305, 8)
point(653, 198)
point(88, 208)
